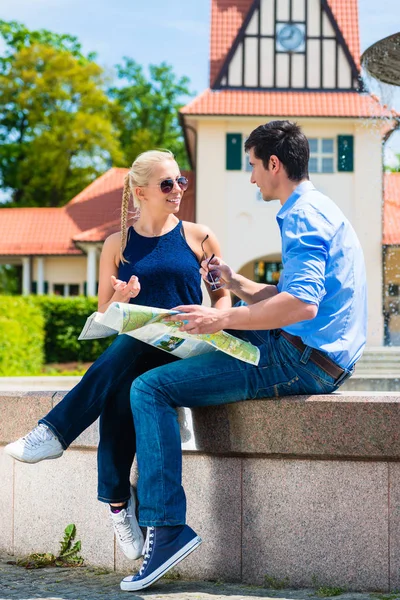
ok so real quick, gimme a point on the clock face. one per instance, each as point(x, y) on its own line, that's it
point(290, 36)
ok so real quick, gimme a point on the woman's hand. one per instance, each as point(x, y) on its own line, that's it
point(123, 291)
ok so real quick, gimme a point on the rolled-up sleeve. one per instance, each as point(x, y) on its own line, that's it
point(305, 246)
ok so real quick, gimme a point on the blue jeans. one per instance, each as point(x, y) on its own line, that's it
point(104, 391)
point(206, 380)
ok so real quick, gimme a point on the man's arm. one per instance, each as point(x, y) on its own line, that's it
point(281, 310)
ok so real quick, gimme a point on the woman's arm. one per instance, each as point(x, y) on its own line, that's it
point(112, 289)
point(195, 234)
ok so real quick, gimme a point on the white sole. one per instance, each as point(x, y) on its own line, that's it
point(32, 462)
point(133, 586)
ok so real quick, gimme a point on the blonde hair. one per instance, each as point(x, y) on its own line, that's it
point(138, 175)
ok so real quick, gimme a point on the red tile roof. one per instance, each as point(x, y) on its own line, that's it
point(285, 104)
point(391, 209)
point(227, 17)
point(36, 231)
point(89, 217)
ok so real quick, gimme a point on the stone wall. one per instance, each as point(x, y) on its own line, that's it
point(301, 488)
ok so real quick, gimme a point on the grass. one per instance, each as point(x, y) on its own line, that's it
point(276, 584)
point(65, 369)
point(326, 591)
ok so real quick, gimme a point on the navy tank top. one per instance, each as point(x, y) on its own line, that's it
point(167, 268)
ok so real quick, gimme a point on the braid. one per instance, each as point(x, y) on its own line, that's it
point(126, 195)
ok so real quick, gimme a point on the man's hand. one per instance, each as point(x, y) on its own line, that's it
point(123, 291)
point(198, 319)
point(220, 272)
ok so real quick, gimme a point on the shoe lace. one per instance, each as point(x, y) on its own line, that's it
point(122, 526)
point(37, 436)
point(147, 548)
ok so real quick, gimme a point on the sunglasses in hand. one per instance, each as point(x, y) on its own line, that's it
point(213, 281)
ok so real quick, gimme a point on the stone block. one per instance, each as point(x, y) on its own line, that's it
point(316, 523)
point(360, 425)
point(6, 502)
point(52, 494)
point(20, 412)
point(394, 525)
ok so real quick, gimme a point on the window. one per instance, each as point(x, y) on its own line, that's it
point(246, 162)
point(74, 289)
point(66, 289)
point(322, 155)
point(234, 151)
point(267, 272)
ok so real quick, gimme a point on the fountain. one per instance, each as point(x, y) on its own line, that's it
point(379, 367)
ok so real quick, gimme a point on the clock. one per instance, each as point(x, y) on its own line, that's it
point(290, 37)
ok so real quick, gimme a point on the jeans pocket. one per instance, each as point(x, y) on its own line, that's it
point(278, 390)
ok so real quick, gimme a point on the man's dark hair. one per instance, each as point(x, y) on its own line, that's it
point(285, 140)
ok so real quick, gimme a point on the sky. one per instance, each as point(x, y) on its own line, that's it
point(152, 31)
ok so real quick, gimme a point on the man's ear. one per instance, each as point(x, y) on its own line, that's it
point(274, 163)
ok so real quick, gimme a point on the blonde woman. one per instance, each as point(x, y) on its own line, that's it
point(154, 262)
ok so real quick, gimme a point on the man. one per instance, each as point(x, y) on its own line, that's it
point(310, 329)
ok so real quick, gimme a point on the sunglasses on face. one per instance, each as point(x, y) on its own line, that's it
point(167, 185)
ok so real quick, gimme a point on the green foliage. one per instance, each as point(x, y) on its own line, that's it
point(326, 592)
point(10, 279)
point(56, 133)
point(146, 109)
point(59, 126)
point(64, 320)
point(21, 337)
point(17, 36)
point(68, 557)
point(276, 584)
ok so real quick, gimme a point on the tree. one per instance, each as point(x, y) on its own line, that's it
point(146, 111)
point(60, 127)
point(17, 36)
point(56, 131)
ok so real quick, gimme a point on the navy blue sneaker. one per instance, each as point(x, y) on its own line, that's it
point(164, 548)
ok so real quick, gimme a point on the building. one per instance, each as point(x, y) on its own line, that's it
point(298, 60)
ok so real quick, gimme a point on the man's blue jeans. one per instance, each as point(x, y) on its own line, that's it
point(104, 391)
point(206, 380)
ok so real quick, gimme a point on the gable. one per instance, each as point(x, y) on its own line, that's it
point(285, 45)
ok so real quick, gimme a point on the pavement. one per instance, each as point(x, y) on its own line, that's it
point(88, 583)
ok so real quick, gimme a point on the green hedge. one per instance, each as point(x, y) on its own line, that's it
point(21, 336)
point(64, 320)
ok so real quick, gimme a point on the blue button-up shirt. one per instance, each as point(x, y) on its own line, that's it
point(323, 264)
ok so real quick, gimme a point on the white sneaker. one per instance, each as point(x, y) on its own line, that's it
point(127, 531)
point(39, 444)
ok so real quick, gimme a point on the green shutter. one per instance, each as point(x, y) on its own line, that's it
point(345, 153)
point(234, 151)
point(85, 288)
point(46, 287)
point(34, 287)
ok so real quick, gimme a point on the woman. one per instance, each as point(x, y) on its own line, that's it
point(154, 262)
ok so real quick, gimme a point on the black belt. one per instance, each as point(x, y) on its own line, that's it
point(319, 359)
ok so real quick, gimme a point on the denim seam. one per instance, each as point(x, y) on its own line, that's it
point(161, 479)
point(103, 499)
